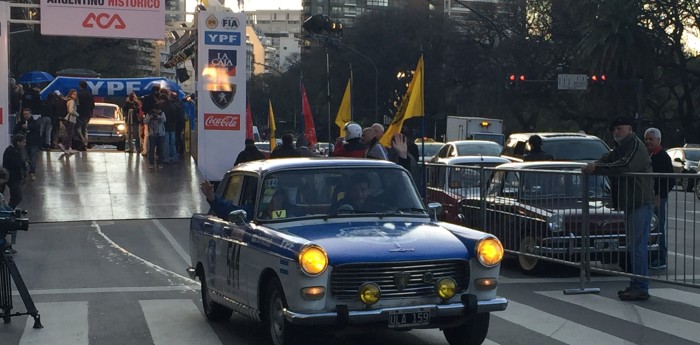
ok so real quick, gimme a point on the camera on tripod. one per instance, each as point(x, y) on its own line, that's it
point(11, 221)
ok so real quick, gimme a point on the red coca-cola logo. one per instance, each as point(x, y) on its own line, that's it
point(226, 122)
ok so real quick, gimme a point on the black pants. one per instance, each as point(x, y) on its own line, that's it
point(15, 193)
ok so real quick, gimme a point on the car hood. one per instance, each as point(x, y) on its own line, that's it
point(378, 241)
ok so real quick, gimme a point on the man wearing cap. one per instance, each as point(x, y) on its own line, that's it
point(634, 196)
point(249, 153)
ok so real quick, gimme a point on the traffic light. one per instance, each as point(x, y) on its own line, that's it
point(319, 24)
point(597, 79)
point(516, 80)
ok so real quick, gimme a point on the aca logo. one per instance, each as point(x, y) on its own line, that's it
point(223, 59)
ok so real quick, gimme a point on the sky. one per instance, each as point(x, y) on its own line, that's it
point(252, 5)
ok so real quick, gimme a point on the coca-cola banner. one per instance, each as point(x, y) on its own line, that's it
point(221, 91)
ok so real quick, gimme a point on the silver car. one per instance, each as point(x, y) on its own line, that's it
point(107, 126)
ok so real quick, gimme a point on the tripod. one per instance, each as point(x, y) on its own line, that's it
point(9, 272)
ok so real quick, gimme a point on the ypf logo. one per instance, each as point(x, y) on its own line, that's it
point(104, 21)
point(226, 122)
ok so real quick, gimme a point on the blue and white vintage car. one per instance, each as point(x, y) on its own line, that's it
point(340, 242)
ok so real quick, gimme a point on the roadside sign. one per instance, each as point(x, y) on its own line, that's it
point(104, 18)
point(572, 81)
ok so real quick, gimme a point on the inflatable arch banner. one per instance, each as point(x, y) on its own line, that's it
point(112, 87)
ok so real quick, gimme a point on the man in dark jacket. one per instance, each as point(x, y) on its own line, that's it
point(14, 163)
point(660, 163)
point(249, 153)
point(536, 153)
point(32, 99)
point(635, 195)
point(30, 129)
point(287, 149)
point(86, 104)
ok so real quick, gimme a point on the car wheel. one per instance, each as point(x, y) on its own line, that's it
point(212, 310)
point(279, 330)
point(121, 146)
point(471, 333)
point(528, 264)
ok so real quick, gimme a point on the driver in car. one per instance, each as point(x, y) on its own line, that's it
point(356, 199)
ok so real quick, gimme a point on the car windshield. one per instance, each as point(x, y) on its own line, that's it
point(575, 150)
point(334, 192)
point(554, 185)
point(475, 149)
point(105, 112)
point(470, 177)
point(692, 155)
point(431, 149)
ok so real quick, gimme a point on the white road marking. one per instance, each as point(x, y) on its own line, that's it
point(555, 327)
point(193, 287)
point(174, 322)
point(58, 329)
point(178, 248)
point(681, 296)
point(632, 313)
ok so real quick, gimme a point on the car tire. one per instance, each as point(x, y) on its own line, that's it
point(279, 331)
point(527, 264)
point(473, 332)
point(121, 146)
point(212, 310)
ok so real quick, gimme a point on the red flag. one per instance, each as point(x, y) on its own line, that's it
point(309, 128)
point(248, 122)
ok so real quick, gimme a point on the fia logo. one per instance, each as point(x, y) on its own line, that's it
point(220, 58)
point(229, 23)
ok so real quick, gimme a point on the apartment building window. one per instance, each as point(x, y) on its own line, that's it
point(382, 3)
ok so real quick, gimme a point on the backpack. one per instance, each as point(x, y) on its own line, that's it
point(60, 107)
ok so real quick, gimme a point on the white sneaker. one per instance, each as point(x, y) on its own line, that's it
point(63, 148)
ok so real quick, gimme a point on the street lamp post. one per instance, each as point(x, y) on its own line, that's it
point(376, 79)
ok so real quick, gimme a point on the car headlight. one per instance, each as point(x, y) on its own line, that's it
point(489, 251)
point(121, 127)
point(313, 260)
point(654, 222)
point(555, 223)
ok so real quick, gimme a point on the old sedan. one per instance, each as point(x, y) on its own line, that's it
point(107, 126)
point(538, 208)
point(452, 179)
point(326, 243)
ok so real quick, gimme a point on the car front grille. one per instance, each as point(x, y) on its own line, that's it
point(347, 279)
point(100, 129)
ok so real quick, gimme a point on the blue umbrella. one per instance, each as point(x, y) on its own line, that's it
point(34, 77)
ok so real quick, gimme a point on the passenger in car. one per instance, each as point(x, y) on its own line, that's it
point(355, 199)
point(536, 153)
point(222, 207)
point(279, 206)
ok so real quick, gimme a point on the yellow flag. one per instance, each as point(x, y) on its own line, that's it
point(344, 112)
point(273, 128)
point(412, 105)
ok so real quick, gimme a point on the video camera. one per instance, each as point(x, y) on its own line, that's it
point(11, 221)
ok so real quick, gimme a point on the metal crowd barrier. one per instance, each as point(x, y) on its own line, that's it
point(560, 215)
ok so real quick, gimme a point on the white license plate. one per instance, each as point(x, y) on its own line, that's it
point(408, 318)
point(606, 244)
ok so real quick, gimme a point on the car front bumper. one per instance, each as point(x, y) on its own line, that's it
point(102, 138)
point(574, 244)
point(342, 315)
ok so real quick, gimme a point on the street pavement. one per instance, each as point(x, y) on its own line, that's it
point(123, 282)
point(118, 277)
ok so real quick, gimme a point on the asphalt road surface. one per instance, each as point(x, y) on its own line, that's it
point(123, 282)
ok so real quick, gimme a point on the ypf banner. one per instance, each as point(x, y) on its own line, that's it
point(104, 18)
point(221, 89)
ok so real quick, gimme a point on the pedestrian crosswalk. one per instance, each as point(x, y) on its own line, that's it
point(672, 316)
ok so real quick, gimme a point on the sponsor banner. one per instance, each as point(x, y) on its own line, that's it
point(221, 56)
point(112, 86)
point(222, 122)
point(104, 18)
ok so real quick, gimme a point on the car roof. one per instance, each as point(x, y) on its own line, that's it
point(685, 148)
point(460, 142)
point(270, 165)
point(553, 136)
point(106, 104)
point(541, 165)
point(473, 159)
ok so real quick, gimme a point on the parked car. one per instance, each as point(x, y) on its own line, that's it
point(107, 126)
point(451, 179)
point(431, 149)
point(563, 146)
point(312, 261)
point(541, 213)
point(468, 148)
point(685, 160)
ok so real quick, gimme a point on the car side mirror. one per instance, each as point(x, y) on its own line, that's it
point(435, 208)
point(237, 216)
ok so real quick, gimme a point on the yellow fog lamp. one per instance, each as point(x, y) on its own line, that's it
point(489, 251)
point(446, 288)
point(370, 293)
point(313, 260)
